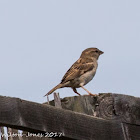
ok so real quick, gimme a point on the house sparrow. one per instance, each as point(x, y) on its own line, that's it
point(81, 72)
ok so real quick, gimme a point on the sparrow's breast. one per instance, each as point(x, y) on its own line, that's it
point(88, 76)
point(84, 78)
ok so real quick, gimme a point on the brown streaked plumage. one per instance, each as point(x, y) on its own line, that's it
point(81, 72)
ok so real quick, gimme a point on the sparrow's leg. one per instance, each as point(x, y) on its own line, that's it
point(88, 91)
point(74, 89)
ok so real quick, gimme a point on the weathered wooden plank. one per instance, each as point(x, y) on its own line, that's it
point(82, 104)
point(105, 107)
point(35, 117)
point(10, 134)
point(57, 100)
point(132, 132)
point(2, 133)
point(119, 107)
point(127, 108)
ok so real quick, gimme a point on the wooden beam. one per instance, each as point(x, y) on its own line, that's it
point(117, 107)
point(57, 100)
point(35, 117)
point(127, 108)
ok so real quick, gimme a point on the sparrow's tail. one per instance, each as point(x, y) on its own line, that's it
point(55, 88)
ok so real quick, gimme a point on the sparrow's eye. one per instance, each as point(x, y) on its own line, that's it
point(96, 51)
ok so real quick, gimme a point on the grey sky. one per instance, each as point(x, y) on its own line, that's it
point(40, 40)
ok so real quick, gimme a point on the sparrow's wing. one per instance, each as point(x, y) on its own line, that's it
point(77, 69)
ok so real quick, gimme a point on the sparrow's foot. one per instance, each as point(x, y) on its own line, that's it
point(95, 95)
point(88, 91)
point(92, 94)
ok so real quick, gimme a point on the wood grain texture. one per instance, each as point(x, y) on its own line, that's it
point(119, 107)
point(120, 117)
point(105, 107)
point(34, 117)
point(57, 100)
point(127, 108)
point(122, 108)
point(82, 104)
point(132, 132)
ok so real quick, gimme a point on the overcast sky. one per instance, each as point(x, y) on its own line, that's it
point(41, 39)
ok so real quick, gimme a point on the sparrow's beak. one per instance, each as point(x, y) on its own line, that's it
point(101, 52)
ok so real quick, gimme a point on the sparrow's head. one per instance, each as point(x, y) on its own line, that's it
point(91, 53)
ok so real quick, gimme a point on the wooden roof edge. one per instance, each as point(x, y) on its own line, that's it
point(35, 117)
